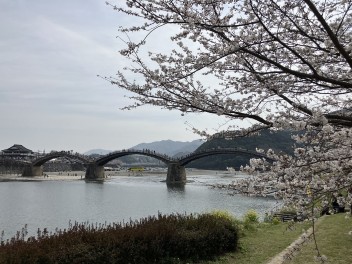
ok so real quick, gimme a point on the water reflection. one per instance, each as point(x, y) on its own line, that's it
point(175, 187)
point(99, 181)
point(51, 204)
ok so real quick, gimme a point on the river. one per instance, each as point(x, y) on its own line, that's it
point(53, 203)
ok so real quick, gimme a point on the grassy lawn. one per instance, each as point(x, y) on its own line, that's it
point(333, 241)
point(260, 245)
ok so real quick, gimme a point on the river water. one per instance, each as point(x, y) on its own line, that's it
point(52, 204)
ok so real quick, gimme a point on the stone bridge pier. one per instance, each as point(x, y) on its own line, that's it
point(176, 174)
point(94, 172)
point(32, 170)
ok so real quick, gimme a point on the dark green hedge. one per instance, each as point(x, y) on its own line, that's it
point(161, 239)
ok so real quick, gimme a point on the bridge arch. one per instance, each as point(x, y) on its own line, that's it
point(118, 154)
point(35, 168)
point(58, 154)
point(210, 152)
point(95, 169)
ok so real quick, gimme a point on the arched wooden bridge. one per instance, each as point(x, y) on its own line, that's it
point(176, 167)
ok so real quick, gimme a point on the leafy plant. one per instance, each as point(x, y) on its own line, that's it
point(250, 219)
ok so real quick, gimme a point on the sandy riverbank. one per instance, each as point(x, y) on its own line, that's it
point(79, 175)
point(47, 177)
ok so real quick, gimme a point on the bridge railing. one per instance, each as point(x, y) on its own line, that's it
point(65, 153)
point(211, 150)
point(195, 154)
point(138, 151)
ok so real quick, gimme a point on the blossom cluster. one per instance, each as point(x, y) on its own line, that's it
point(279, 64)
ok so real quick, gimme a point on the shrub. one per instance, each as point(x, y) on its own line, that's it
point(157, 239)
point(222, 214)
point(251, 216)
point(276, 220)
point(238, 224)
point(251, 219)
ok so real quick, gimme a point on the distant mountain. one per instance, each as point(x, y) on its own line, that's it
point(279, 141)
point(168, 147)
point(97, 151)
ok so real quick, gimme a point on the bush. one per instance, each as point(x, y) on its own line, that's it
point(250, 219)
point(276, 221)
point(160, 239)
point(251, 216)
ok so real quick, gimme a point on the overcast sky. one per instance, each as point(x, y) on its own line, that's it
point(50, 96)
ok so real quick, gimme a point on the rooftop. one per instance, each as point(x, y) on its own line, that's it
point(17, 149)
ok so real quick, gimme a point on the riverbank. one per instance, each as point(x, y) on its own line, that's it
point(79, 175)
point(45, 177)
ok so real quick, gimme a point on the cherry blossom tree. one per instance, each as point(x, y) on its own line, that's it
point(281, 64)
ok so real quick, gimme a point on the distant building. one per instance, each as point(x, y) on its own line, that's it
point(18, 151)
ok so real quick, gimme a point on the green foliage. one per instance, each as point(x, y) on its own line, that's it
point(161, 239)
point(280, 141)
point(250, 219)
point(229, 217)
point(276, 221)
point(251, 216)
point(223, 214)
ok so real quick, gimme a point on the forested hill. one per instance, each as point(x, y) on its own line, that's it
point(278, 141)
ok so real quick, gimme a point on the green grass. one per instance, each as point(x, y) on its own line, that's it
point(333, 241)
point(262, 244)
point(259, 245)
